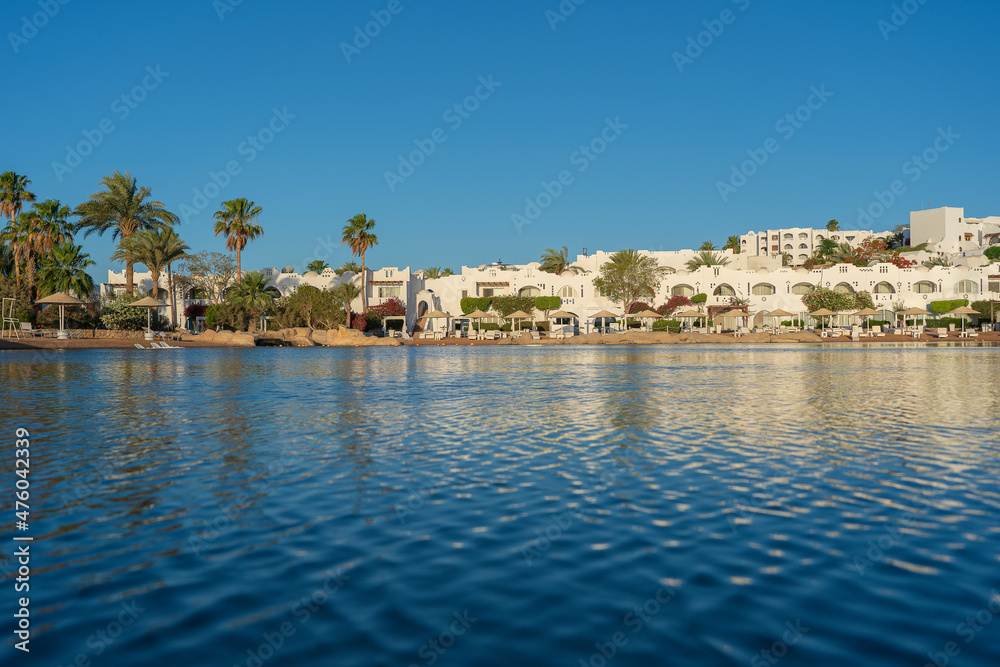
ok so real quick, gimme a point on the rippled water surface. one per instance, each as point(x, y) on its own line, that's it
point(508, 506)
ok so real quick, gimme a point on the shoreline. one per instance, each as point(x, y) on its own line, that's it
point(634, 338)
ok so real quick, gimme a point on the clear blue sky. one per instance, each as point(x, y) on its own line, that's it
point(656, 186)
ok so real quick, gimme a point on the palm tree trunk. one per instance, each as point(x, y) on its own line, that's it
point(239, 270)
point(29, 271)
point(364, 289)
point(129, 284)
point(173, 298)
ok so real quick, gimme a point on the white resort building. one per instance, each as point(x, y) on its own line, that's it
point(754, 276)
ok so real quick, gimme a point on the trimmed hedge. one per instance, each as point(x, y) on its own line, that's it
point(699, 298)
point(946, 305)
point(993, 252)
point(547, 303)
point(471, 303)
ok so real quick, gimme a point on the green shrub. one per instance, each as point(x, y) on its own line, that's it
point(993, 252)
point(673, 326)
point(117, 314)
point(946, 305)
point(544, 303)
point(227, 316)
point(983, 308)
point(943, 322)
point(471, 303)
point(505, 305)
point(699, 298)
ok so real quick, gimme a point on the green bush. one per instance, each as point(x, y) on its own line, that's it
point(944, 322)
point(117, 314)
point(547, 303)
point(673, 326)
point(471, 303)
point(983, 308)
point(505, 305)
point(946, 305)
point(699, 298)
point(227, 316)
point(993, 252)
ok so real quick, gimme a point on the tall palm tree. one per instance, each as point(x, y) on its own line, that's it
point(833, 226)
point(432, 272)
point(65, 270)
point(47, 227)
point(124, 208)
point(345, 294)
point(156, 250)
point(706, 258)
point(842, 253)
point(237, 220)
point(173, 249)
point(13, 194)
point(732, 243)
point(6, 260)
point(358, 235)
point(251, 295)
point(707, 245)
point(16, 236)
point(557, 262)
point(786, 259)
point(317, 265)
point(447, 272)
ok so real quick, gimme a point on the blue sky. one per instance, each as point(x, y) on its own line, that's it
point(894, 78)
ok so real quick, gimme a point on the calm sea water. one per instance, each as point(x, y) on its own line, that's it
point(508, 506)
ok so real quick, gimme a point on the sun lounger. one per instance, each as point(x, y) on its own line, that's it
point(535, 335)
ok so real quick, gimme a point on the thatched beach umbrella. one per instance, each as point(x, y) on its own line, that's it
point(778, 314)
point(477, 315)
point(913, 312)
point(149, 303)
point(962, 311)
point(63, 300)
point(517, 315)
point(732, 313)
point(866, 313)
point(823, 312)
point(603, 315)
point(689, 314)
point(648, 315)
point(437, 314)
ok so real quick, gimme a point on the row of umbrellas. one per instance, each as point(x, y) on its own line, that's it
point(62, 300)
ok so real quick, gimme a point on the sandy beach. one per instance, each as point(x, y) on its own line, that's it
point(632, 338)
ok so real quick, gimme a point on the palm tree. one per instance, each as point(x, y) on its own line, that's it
point(236, 219)
point(317, 265)
point(557, 262)
point(251, 295)
point(123, 208)
point(13, 194)
point(707, 245)
point(833, 226)
point(352, 267)
point(65, 270)
point(359, 236)
point(345, 294)
point(938, 261)
point(432, 272)
point(157, 250)
point(6, 260)
point(706, 258)
point(786, 259)
point(447, 272)
point(732, 243)
point(842, 253)
point(17, 238)
point(48, 227)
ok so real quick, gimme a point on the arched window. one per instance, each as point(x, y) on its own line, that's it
point(803, 235)
point(843, 288)
point(884, 288)
point(567, 292)
point(966, 287)
point(924, 287)
point(801, 288)
point(529, 291)
point(803, 258)
point(819, 237)
point(788, 237)
point(803, 246)
point(763, 289)
point(724, 290)
point(682, 290)
point(788, 246)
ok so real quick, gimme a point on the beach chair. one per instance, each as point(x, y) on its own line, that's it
point(26, 328)
point(535, 335)
point(139, 346)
